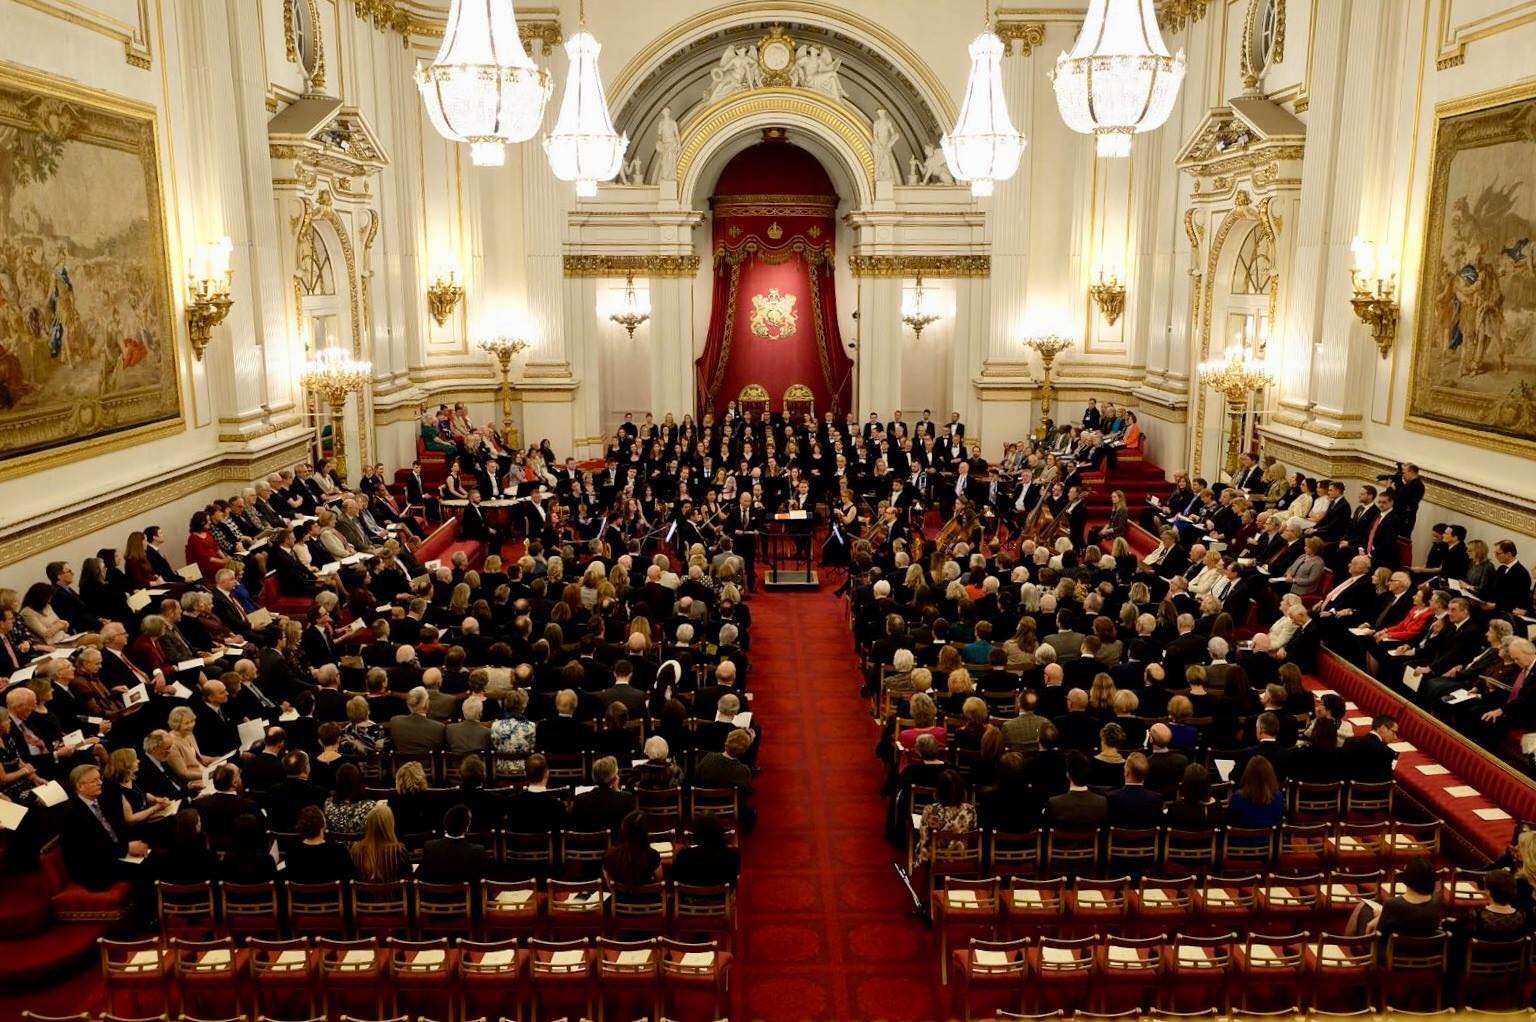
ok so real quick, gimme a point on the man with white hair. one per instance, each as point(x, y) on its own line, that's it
point(415, 733)
point(469, 735)
point(440, 705)
point(1500, 712)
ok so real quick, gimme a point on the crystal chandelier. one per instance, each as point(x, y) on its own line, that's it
point(584, 147)
point(333, 374)
point(984, 147)
point(915, 315)
point(1118, 78)
point(632, 314)
point(481, 88)
point(1237, 375)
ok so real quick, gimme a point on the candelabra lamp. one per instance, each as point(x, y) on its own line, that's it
point(208, 286)
point(633, 313)
point(916, 314)
point(1238, 377)
point(331, 375)
point(443, 296)
point(1108, 293)
point(1047, 347)
point(1375, 295)
point(504, 350)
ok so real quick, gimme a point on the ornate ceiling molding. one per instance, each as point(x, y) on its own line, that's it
point(931, 266)
point(616, 266)
point(419, 19)
point(1174, 15)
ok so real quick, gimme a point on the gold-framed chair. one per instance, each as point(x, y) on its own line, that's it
point(754, 398)
point(799, 401)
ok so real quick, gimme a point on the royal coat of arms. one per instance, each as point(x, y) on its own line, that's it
point(773, 315)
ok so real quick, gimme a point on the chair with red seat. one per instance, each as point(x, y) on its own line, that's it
point(560, 970)
point(510, 907)
point(381, 909)
point(1248, 849)
point(1269, 965)
point(141, 969)
point(425, 970)
point(317, 909)
point(1225, 903)
point(1316, 801)
point(351, 972)
point(576, 908)
point(1062, 971)
point(637, 910)
point(582, 853)
point(186, 910)
point(283, 972)
point(1494, 974)
point(996, 969)
point(32, 1016)
point(1161, 904)
point(1190, 851)
point(1198, 969)
point(492, 973)
point(1035, 906)
point(722, 802)
point(1011, 854)
point(1305, 846)
point(1370, 800)
point(528, 855)
point(209, 972)
point(1339, 965)
point(1410, 965)
point(628, 977)
point(1072, 850)
point(956, 854)
point(1403, 841)
point(442, 909)
point(690, 970)
point(1129, 972)
point(249, 909)
point(1132, 850)
point(662, 806)
point(1358, 846)
point(968, 906)
point(1291, 900)
point(1097, 906)
point(705, 910)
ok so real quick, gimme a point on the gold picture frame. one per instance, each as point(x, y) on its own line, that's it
point(89, 336)
point(1469, 373)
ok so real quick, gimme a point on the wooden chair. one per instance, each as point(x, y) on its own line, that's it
point(960, 903)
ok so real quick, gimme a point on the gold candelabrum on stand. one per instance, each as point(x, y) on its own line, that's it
point(208, 286)
point(505, 349)
point(1108, 293)
point(1375, 295)
point(1239, 377)
point(1047, 346)
point(443, 296)
point(331, 374)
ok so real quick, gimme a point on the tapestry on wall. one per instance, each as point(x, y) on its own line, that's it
point(1474, 374)
point(87, 345)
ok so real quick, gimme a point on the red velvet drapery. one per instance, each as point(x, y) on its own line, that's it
point(773, 317)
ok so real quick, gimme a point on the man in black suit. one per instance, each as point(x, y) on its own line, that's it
point(473, 524)
point(1249, 477)
point(1076, 514)
point(606, 804)
point(93, 839)
point(265, 768)
point(66, 600)
point(156, 775)
point(452, 858)
point(1381, 539)
point(532, 809)
point(1498, 713)
point(1368, 757)
point(227, 804)
point(226, 608)
point(1077, 806)
point(293, 579)
point(1135, 804)
point(217, 731)
point(1510, 587)
point(563, 734)
point(1351, 596)
point(287, 797)
point(1078, 729)
point(1165, 765)
point(1188, 647)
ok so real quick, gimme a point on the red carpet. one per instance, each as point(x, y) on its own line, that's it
point(824, 931)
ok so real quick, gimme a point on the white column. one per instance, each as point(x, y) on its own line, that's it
point(671, 345)
point(880, 330)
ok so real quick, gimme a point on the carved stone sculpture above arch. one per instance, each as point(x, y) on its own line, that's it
point(872, 74)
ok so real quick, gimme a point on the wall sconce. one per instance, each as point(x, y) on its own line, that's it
point(208, 301)
point(915, 315)
point(1108, 293)
point(632, 313)
point(442, 297)
point(1375, 297)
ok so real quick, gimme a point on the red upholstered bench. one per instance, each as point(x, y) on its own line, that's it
point(73, 903)
point(273, 599)
point(1470, 764)
point(444, 542)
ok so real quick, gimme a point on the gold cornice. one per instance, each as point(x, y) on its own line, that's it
point(631, 265)
point(727, 201)
point(715, 118)
point(1174, 15)
point(1028, 34)
point(411, 19)
point(931, 266)
point(134, 37)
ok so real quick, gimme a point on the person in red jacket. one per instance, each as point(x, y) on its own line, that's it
point(202, 548)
